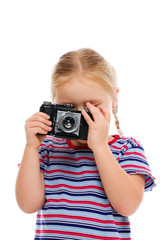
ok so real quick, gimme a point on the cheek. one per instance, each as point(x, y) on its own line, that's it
point(107, 116)
point(106, 111)
point(107, 107)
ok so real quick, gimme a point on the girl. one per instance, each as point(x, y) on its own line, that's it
point(82, 189)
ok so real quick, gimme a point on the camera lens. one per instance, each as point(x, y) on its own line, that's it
point(68, 122)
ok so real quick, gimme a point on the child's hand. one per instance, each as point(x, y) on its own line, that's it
point(38, 123)
point(99, 128)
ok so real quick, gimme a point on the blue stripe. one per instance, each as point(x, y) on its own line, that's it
point(72, 179)
point(75, 194)
point(84, 225)
point(82, 209)
point(95, 202)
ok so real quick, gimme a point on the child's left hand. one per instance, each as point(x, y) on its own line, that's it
point(99, 128)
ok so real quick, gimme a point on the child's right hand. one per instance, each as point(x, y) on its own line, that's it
point(37, 123)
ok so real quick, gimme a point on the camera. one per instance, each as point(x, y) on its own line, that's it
point(67, 122)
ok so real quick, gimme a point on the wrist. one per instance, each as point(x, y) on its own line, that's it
point(30, 147)
point(101, 147)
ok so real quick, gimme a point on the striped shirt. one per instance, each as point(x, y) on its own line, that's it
point(76, 206)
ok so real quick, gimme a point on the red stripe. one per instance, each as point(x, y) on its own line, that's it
point(134, 153)
point(119, 148)
point(147, 180)
point(76, 217)
point(69, 158)
point(41, 160)
point(73, 187)
point(80, 235)
point(115, 147)
point(53, 146)
point(70, 172)
point(55, 139)
point(82, 218)
point(135, 141)
point(122, 223)
point(79, 202)
point(135, 166)
point(124, 138)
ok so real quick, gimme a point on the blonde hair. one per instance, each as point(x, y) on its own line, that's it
point(87, 63)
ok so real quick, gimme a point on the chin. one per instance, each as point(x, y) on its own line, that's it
point(82, 141)
point(79, 142)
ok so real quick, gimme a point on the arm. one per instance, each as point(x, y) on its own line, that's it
point(125, 192)
point(30, 191)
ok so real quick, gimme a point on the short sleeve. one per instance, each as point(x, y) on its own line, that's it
point(133, 161)
point(43, 156)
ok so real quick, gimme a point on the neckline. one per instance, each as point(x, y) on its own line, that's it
point(68, 141)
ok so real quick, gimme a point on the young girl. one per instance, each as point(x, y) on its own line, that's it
point(82, 189)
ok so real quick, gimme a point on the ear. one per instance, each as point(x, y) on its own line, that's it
point(117, 91)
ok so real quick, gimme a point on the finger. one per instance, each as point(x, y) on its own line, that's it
point(97, 115)
point(45, 115)
point(106, 114)
point(40, 125)
point(41, 119)
point(37, 130)
point(41, 114)
point(87, 117)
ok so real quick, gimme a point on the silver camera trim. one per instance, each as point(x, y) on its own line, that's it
point(59, 122)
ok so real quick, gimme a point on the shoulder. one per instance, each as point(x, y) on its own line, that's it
point(127, 143)
point(134, 142)
point(133, 160)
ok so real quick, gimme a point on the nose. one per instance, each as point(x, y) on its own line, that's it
point(80, 107)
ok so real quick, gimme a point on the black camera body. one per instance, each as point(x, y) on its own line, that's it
point(67, 122)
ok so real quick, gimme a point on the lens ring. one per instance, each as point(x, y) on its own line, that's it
point(68, 122)
point(62, 119)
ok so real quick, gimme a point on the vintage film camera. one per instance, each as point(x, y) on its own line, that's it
point(66, 121)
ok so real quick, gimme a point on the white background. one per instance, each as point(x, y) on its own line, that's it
point(34, 34)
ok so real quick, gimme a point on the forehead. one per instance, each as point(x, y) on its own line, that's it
point(82, 90)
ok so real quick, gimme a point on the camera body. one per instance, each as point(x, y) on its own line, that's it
point(67, 122)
